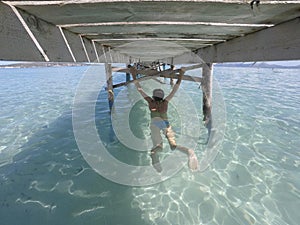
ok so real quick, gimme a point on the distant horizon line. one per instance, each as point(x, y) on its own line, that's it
point(268, 64)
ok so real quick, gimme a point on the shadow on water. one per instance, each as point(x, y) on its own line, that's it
point(49, 182)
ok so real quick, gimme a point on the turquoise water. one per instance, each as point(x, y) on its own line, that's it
point(44, 179)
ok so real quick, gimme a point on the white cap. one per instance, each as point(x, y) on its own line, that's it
point(158, 93)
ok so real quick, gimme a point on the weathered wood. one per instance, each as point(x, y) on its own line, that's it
point(75, 45)
point(281, 42)
point(67, 43)
point(192, 67)
point(15, 43)
point(207, 92)
point(49, 38)
point(186, 58)
point(127, 77)
point(107, 56)
point(184, 77)
point(90, 49)
point(154, 71)
point(230, 30)
point(110, 88)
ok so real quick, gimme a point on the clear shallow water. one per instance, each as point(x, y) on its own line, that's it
point(254, 179)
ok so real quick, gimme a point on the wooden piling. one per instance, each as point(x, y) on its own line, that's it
point(127, 73)
point(206, 85)
point(109, 81)
point(127, 77)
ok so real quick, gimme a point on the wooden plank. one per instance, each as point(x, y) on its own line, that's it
point(49, 38)
point(192, 67)
point(237, 11)
point(153, 71)
point(15, 43)
point(90, 49)
point(281, 42)
point(107, 55)
point(276, 43)
point(185, 77)
point(188, 57)
point(76, 46)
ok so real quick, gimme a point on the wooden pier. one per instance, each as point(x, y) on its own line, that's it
point(173, 32)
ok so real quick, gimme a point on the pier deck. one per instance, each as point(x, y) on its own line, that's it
point(93, 31)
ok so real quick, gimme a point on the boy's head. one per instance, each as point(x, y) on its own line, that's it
point(158, 94)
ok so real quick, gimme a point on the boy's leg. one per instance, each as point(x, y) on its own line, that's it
point(171, 137)
point(157, 146)
point(155, 158)
point(155, 136)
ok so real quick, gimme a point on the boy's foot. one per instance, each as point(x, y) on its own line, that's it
point(155, 162)
point(193, 161)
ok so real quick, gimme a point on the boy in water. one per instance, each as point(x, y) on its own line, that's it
point(158, 106)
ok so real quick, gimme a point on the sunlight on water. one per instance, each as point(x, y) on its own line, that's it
point(254, 179)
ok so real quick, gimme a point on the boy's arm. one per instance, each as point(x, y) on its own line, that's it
point(140, 89)
point(133, 71)
point(176, 86)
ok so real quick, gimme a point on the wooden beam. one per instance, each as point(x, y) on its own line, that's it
point(92, 56)
point(50, 38)
point(192, 67)
point(75, 45)
point(107, 55)
point(15, 42)
point(154, 71)
point(281, 42)
point(185, 77)
point(186, 58)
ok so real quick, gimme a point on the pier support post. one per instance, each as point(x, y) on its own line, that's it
point(127, 77)
point(171, 79)
point(109, 80)
point(128, 74)
point(206, 85)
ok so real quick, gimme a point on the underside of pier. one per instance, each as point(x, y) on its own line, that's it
point(113, 31)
